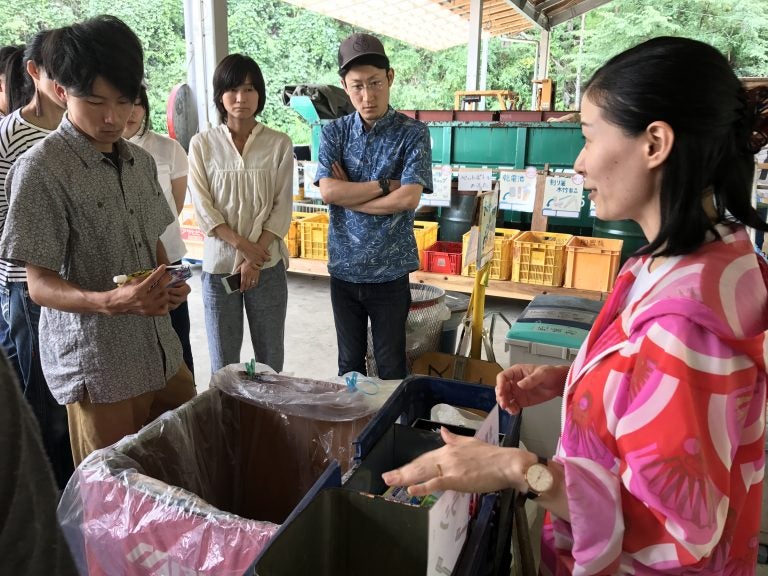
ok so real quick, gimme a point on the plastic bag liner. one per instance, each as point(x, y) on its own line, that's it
point(203, 488)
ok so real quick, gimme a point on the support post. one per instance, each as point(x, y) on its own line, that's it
point(473, 47)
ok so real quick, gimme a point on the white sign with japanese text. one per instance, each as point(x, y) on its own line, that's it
point(310, 190)
point(563, 195)
point(475, 179)
point(517, 190)
point(441, 187)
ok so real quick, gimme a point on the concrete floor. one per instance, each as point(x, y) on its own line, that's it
point(310, 337)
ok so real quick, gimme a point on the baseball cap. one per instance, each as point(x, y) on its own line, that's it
point(357, 45)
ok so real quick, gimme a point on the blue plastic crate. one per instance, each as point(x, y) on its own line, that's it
point(416, 396)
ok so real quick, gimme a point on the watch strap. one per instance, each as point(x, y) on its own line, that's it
point(532, 494)
point(384, 185)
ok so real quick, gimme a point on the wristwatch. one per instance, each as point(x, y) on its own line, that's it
point(384, 185)
point(539, 479)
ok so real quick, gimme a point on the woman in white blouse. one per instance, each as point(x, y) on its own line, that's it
point(241, 178)
point(172, 171)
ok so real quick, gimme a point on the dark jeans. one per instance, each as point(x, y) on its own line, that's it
point(387, 305)
point(759, 234)
point(23, 317)
point(5, 337)
point(180, 322)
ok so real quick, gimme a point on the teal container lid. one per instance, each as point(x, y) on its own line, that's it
point(556, 321)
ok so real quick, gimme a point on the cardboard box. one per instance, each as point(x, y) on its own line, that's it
point(354, 530)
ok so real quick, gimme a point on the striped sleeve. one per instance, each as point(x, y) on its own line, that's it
point(16, 137)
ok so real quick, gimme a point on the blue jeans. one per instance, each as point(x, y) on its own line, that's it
point(387, 305)
point(23, 317)
point(265, 305)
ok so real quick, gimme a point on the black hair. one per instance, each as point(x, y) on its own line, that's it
point(689, 85)
point(100, 46)
point(12, 67)
point(144, 103)
point(231, 72)
point(375, 60)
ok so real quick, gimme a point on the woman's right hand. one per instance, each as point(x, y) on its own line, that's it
point(523, 385)
point(249, 276)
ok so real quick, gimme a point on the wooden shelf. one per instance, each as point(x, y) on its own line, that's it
point(499, 288)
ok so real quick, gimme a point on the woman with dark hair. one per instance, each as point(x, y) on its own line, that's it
point(36, 115)
point(172, 169)
point(659, 467)
point(241, 179)
point(7, 55)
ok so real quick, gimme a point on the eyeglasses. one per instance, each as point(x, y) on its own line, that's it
point(372, 86)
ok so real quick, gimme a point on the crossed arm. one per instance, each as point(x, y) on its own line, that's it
point(366, 197)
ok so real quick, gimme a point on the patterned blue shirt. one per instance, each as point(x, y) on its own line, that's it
point(365, 248)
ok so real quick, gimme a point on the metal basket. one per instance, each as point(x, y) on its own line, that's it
point(422, 328)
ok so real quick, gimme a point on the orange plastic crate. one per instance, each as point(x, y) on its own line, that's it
point(592, 263)
point(293, 238)
point(314, 236)
point(501, 264)
point(426, 235)
point(539, 258)
point(444, 257)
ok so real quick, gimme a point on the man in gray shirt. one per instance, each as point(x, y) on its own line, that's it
point(86, 206)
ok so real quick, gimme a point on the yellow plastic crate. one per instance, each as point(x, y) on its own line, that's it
point(426, 235)
point(293, 238)
point(501, 264)
point(592, 263)
point(539, 258)
point(314, 236)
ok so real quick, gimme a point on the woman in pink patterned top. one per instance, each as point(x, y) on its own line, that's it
point(659, 467)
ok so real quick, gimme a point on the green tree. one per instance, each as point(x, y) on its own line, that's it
point(296, 46)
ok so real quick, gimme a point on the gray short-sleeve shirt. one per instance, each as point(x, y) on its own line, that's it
point(73, 211)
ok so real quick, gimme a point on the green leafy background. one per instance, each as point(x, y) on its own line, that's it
point(294, 46)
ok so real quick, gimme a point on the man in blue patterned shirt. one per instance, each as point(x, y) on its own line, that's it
point(374, 165)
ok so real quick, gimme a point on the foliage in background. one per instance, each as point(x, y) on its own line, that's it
point(295, 46)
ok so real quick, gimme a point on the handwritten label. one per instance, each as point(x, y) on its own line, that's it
point(517, 190)
point(475, 179)
point(563, 195)
point(310, 190)
point(441, 187)
point(489, 207)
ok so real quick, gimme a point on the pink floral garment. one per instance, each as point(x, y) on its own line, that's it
point(662, 441)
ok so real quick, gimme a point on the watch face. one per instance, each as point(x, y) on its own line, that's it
point(539, 478)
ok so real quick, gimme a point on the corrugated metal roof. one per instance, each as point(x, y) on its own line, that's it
point(439, 24)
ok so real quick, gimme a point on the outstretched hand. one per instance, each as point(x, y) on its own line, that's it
point(463, 464)
point(523, 385)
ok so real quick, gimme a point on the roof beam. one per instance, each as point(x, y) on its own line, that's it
point(525, 8)
point(574, 11)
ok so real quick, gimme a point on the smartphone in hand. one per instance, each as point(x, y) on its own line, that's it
point(231, 283)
